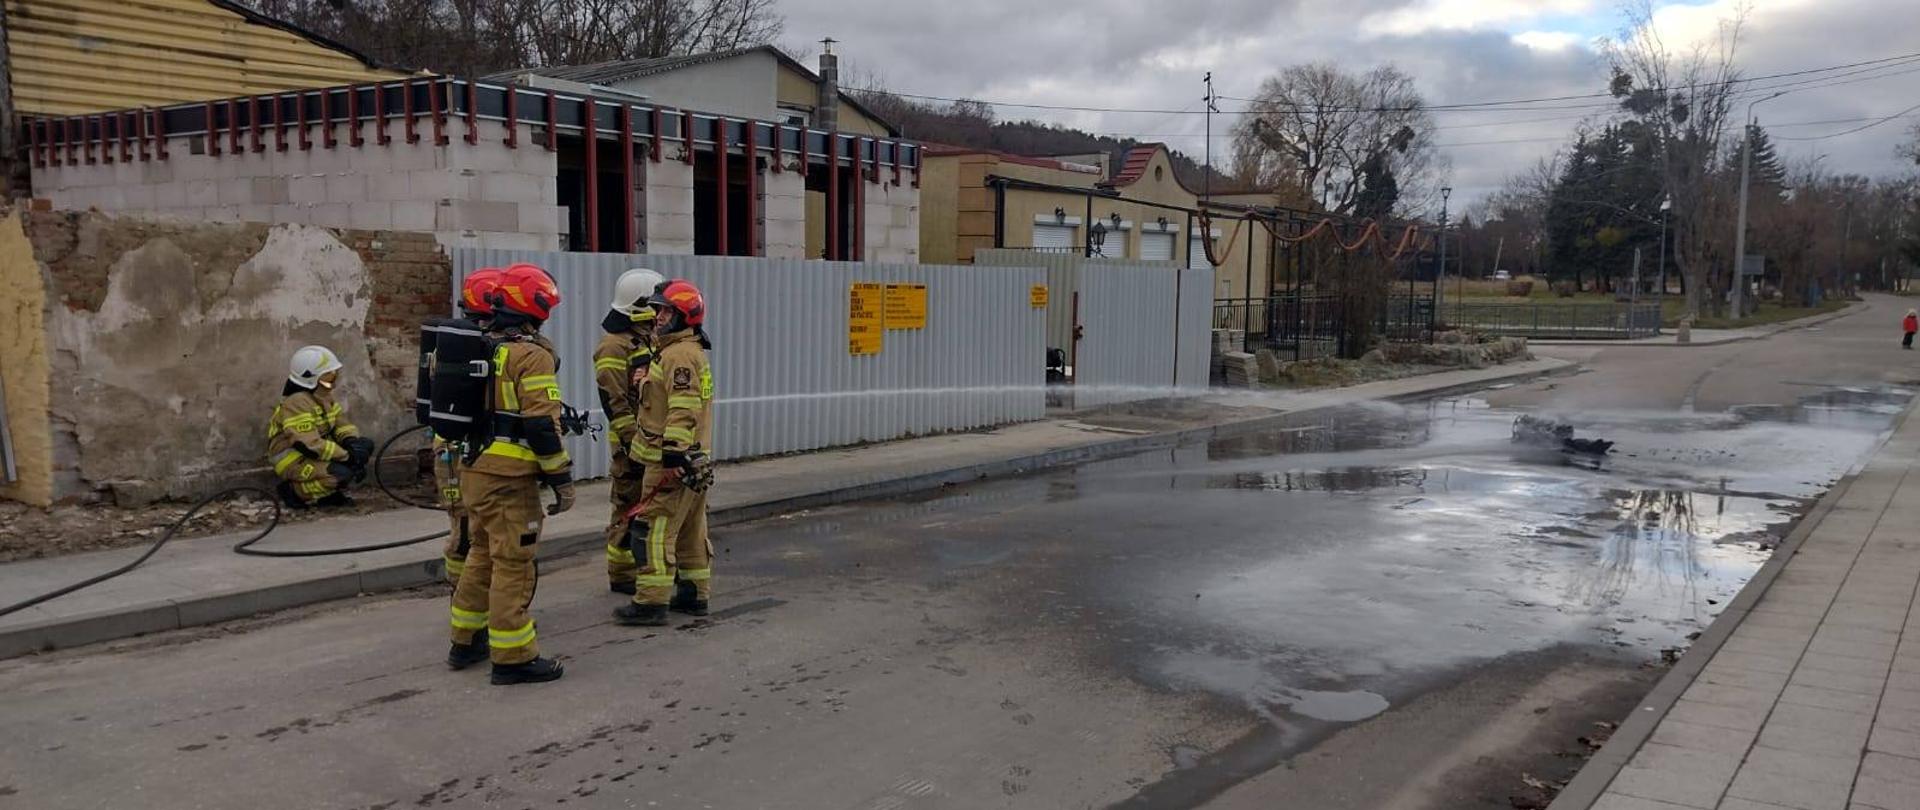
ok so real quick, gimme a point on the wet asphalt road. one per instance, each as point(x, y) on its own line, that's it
point(1163, 630)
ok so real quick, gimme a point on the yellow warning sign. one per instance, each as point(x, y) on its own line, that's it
point(1037, 296)
point(864, 319)
point(906, 306)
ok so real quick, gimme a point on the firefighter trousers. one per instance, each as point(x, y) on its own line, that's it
point(674, 525)
point(620, 563)
point(310, 480)
point(496, 587)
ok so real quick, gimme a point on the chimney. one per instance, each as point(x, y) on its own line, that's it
point(826, 114)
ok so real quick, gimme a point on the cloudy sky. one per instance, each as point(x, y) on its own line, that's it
point(1138, 55)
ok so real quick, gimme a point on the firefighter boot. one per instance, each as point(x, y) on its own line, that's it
point(539, 670)
point(473, 652)
point(636, 615)
point(686, 599)
point(284, 489)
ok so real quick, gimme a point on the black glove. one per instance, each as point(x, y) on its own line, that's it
point(695, 468)
point(359, 450)
point(562, 486)
point(346, 473)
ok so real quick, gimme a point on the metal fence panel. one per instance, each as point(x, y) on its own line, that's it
point(1146, 326)
point(783, 378)
point(1556, 320)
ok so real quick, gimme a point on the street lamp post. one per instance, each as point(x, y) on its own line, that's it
point(1440, 275)
point(1740, 234)
point(1660, 292)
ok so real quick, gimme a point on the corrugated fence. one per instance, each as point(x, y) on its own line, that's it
point(1146, 326)
point(784, 379)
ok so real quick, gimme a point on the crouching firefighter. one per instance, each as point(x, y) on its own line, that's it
point(475, 315)
point(672, 440)
point(619, 363)
point(498, 398)
point(314, 450)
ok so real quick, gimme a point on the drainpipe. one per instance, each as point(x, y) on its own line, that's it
point(999, 213)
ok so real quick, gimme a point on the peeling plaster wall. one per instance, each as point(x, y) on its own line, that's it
point(23, 365)
point(171, 343)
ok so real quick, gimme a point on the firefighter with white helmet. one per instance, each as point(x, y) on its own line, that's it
point(619, 364)
point(314, 450)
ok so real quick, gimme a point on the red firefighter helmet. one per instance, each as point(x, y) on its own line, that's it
point(526, 290)
point(477, 288)
point(682, 297)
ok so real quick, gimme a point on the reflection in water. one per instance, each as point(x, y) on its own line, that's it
point(1657, 540)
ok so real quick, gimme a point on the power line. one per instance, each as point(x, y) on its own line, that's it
point(1504, 105)
point(1861, 128)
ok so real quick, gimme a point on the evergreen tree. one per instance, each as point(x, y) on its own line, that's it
point(1768, 176)
point(1379, 191)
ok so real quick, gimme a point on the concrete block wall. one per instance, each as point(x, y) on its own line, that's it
point(892, 222)
point(467, 195)
point(669, 225)
point(784, 215)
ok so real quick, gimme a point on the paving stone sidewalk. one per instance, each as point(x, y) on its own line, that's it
point(1806, 692)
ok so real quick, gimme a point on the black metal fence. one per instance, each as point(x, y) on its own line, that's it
point(1555, 320)
point(1314, 324)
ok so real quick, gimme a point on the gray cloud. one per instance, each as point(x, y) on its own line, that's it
point(1134, 54)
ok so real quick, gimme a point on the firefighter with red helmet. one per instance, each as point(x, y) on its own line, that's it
point(673, 439)
point(475, 309)
point(500, 487)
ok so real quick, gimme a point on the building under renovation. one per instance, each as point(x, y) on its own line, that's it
point(497, 165)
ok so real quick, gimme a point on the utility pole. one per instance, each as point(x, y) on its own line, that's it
point(1633, 295)
point(1740, 232)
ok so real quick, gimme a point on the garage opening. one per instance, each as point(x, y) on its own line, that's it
point(616, 201)
point(818, 224)
point(742, 229)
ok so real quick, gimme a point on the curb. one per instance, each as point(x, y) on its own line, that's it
point(239, 603)
point(1775, 329)
point(1586, 786)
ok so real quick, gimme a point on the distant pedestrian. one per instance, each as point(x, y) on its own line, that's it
point(1910, 325)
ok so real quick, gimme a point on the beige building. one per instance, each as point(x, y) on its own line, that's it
point(973, 199)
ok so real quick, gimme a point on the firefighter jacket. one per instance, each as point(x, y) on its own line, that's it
point(307, 425)
point(676, 401)
point(525, 402)
point(614, 363)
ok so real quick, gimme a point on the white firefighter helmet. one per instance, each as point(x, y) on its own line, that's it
point(309, 364)
point(631, 291)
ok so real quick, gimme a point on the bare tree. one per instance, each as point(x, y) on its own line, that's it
point(1328, 132)
point(1685, 98)
point(473, 37)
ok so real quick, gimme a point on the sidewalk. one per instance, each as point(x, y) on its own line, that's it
point(201, 581)
point(1805, 693)
point(1712, 337)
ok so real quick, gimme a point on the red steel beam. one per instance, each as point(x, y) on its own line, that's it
point(64, 143)
point(380, 135)
point(686, 133)
point(895, 149)
point(590, 134)
point(775, 158)
point(86, 139)
point(254, 119)
point(859, 235)
point(279, 127)
point(33, 145)
point(833, 196)
point(406, 109)
point(127, 119)
point(141, 127)
point(632, 236)
point(233, 126)
point(553, 122)
point(513, 118)
point(473, 113)
point(803, 152)
point(434, 92)
point(353, 117)
point(159, 136)
point(107, 139)
point(326, 119)
point(753, 189)
point(654, 147)
point(720, 147)
point(300, 117)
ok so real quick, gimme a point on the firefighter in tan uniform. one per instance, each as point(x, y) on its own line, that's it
point(619, 363)
point(501, 489)
point(314, 450)
point(447, 458)
point(673, 440)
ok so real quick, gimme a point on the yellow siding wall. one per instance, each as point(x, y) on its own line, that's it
point(80, 56)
